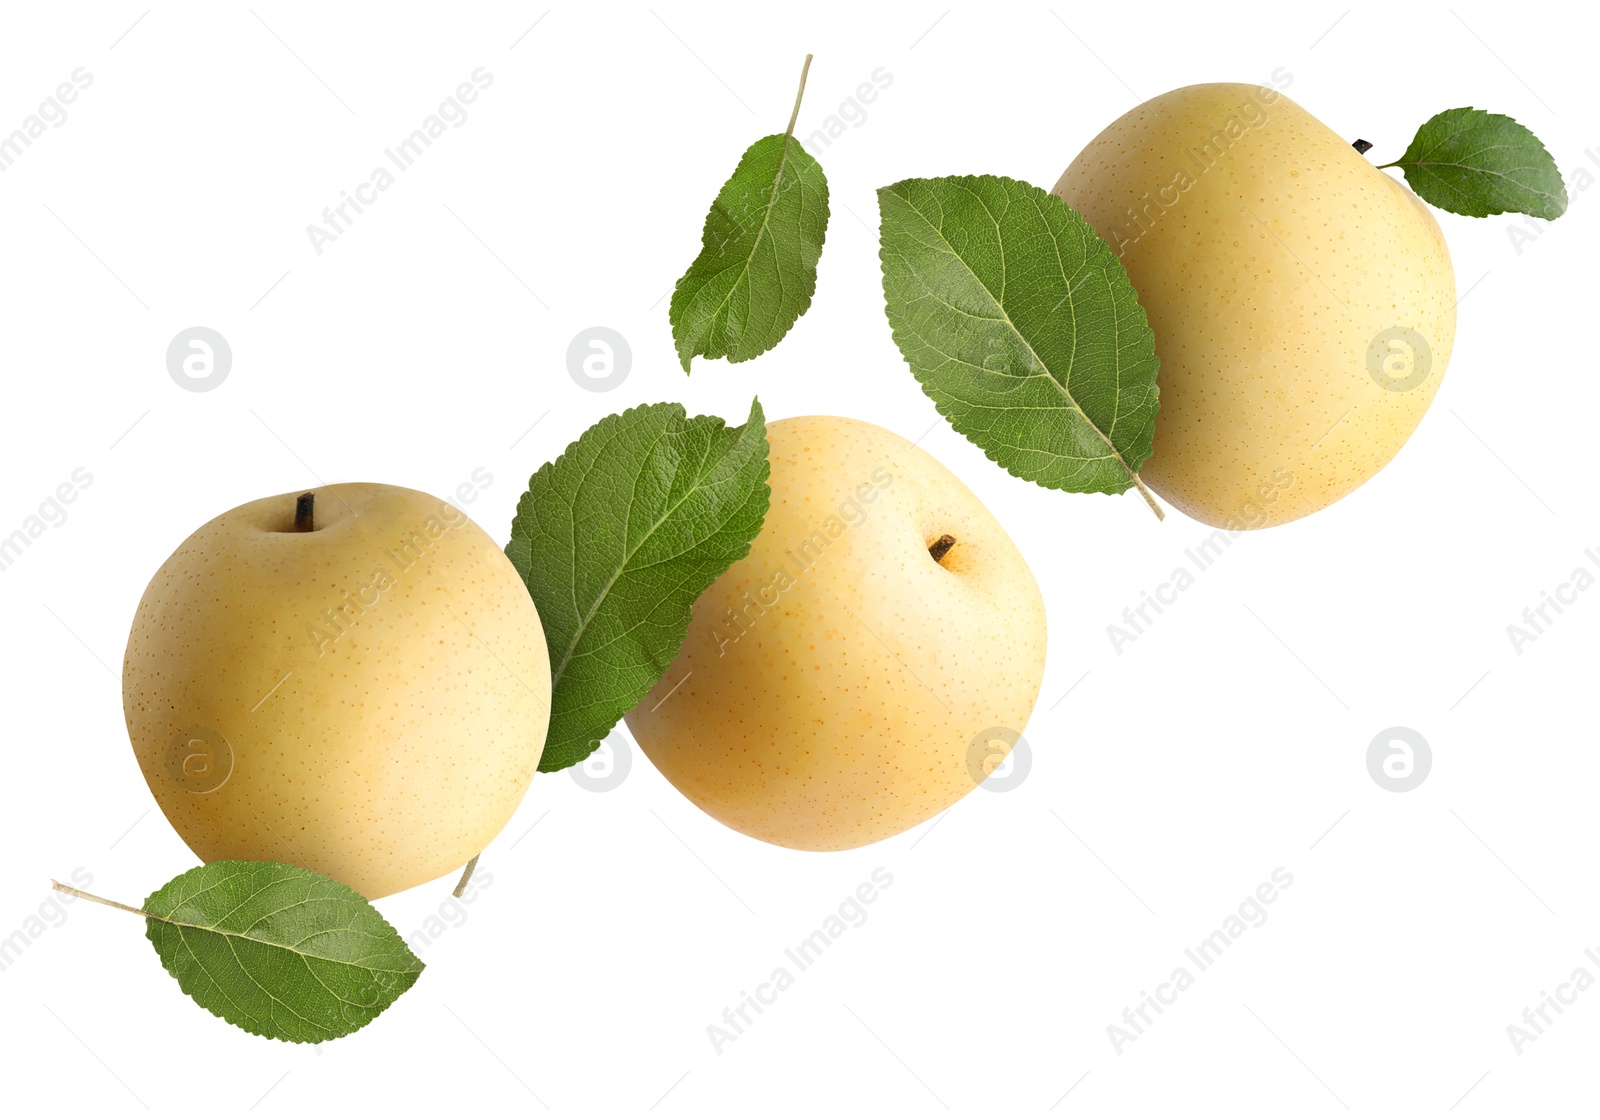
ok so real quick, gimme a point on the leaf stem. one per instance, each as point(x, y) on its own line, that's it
point(1150, 499)
point(794, 116)
point(76, 893)
point(466, 876)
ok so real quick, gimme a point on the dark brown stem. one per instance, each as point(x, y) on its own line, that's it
point(1362, 146)
point(466, 877)
point(303, 506)
point(941, 546)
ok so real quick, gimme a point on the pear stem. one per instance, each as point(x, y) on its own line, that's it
point(941, 546)
point(76, 893)
point(466, 876)
point(303, 507)
point(1362, 146)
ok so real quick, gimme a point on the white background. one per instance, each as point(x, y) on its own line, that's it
point(1228, 741)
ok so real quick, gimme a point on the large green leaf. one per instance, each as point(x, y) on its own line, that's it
point(278, 950)
point(616, 539)
point(1475, 163)
point(1023, 327)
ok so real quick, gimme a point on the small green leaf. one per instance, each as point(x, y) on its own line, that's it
point(616, 539)
point(1475, 163)
point(1023, 327)
point(280, 951)
point(757, 267)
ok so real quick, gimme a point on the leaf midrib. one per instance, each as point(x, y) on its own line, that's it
point(1005, 317)
point(1430, 164)
point(276, 944)
point(1476, 119)
point(761, 233)
point(594, 607)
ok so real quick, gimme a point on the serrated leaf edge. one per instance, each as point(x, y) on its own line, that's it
point(679, 416)
point(1132, 474)
point(184, 987)
point(1407, 166)
point(805, 298)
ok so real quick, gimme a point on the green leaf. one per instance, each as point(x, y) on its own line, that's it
point(616, 539)
point(1023, 327)
point(280, 951)
point(757, 267)
point(1470, 162)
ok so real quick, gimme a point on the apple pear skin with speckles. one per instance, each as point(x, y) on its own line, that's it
point(866, 665)
point(366, 696)
point(1302, 301)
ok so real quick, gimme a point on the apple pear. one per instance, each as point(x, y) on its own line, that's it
point(867, 664)
point(1302, 301)
point(354, 681)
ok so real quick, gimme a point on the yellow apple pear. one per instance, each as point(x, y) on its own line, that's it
point(353, 680)
point(866, 665)
point(1302, 301)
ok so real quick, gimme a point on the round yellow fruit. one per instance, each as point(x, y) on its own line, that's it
point(1302, 301)
point(840, 684)
point(366, 697)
